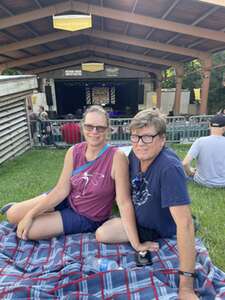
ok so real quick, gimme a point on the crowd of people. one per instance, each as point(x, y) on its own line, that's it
point(42, 131)
point(150, 188)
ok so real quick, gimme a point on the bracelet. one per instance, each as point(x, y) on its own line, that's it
point(187, 274)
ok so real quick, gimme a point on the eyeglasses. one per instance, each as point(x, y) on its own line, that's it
point(146, 139)
point(99, 129)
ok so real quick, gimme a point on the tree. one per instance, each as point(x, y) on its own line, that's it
point(12, 72)
point(193, 79)
point(216, 99)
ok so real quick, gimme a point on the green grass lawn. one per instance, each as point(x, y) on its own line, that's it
point(37, 171)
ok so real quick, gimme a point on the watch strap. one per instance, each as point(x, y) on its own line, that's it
point(187, 274)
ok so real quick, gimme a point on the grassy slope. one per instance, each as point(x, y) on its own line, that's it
point(37, 171)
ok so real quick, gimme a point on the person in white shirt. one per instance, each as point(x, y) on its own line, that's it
point(209, 153)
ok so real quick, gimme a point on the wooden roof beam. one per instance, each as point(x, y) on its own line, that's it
point(35, 14)
point(54, 54)
point(112, 14)
point(95, 59)
point(58, 66)
point(102, 35)
point(134, 56)
point(126, 65)
point(37, 41)
point(120, 38)
point(148, 21)
point(37, 58)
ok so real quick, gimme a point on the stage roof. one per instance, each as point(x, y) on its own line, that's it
point(139, 34)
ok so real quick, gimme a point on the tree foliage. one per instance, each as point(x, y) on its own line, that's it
point(12, 72)
point(193, 79)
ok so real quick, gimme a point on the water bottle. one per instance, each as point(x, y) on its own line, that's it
point(95, 264)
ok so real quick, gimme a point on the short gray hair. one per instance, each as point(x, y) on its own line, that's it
point(149, 117)
point(97, 109)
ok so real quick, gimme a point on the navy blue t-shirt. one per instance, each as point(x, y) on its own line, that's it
point(154, 191)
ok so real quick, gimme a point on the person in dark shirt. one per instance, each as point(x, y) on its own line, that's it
point(32, 118)
point(159, 194)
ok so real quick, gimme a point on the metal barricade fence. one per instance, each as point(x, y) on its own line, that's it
point(198, 126)
point(63, 133)
point(120, 133)
point(176, 129)
point(58, 133)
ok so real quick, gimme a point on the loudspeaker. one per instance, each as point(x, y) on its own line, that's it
point(141, 94)
point(48, 93)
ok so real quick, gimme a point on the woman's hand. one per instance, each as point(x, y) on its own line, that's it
point(151, 246)
point(24, 226)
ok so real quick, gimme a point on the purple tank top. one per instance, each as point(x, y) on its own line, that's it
point(92, 190)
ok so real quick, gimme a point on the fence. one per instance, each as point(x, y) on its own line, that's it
point(61, 133)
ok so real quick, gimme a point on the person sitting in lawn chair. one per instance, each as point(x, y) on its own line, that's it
point(160, 197)
point(93, 174)
point(209, 153)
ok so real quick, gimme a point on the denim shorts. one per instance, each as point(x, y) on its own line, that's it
point(74, 222)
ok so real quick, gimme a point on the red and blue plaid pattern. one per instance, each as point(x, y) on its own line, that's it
point(54, 269)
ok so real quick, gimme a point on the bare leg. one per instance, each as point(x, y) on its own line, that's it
point(16, 213)
point(46, 226)
point(111, 231)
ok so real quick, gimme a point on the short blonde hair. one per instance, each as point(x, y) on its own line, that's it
point(149, 117)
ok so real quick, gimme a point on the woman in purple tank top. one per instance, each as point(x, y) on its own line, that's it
point(93, 176)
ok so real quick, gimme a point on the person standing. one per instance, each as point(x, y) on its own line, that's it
point(42, 115)
point(32, 118)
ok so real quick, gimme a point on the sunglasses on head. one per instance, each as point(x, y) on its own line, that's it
point(100, 129)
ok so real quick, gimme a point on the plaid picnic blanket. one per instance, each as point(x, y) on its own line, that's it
point(55, 269)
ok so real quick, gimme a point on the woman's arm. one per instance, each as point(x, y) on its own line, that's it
point(120, 172)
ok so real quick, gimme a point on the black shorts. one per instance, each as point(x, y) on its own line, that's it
point(146, 234)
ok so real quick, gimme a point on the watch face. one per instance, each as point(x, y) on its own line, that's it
point(143, 259)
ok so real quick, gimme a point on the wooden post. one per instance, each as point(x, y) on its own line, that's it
point(179, 81)
point(206, 74)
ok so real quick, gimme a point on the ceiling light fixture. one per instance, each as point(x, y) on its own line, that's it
point(215, 2)
point(72, 22)
point(92, 67)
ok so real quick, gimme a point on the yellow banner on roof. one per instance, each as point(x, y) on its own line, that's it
point(92, 67)
point(72, 22)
